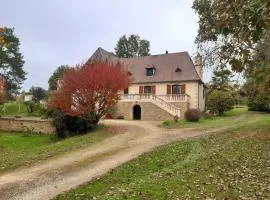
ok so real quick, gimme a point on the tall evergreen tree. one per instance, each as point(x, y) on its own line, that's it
point(11, 60)
point(57, 74)
point(131, 46)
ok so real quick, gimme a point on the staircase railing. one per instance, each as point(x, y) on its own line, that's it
point(172, 109)
point(175, 97)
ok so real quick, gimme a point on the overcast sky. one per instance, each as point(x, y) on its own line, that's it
point(56, 32)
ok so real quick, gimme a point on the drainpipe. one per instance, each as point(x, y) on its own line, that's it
point(198, 95)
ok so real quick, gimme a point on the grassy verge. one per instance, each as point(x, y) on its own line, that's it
point(17, 149)
point(235, 115)
point(233, 164)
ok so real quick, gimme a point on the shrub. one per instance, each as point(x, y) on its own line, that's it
point(193, 115)
point(66, 125)
point(36, 109)
point(167, 123)
point(260, 102)
point(220, 101)
point(208, 115)
point(30, 106)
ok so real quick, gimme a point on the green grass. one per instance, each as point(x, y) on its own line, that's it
point(229, 117)
point(233, 164)
point(12, 109)
point(17, 149)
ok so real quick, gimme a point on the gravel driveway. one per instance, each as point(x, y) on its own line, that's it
point(49, 178)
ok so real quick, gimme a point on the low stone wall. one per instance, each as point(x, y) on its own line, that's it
point(26, 125)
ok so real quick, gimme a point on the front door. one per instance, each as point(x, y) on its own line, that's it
point(137, 112)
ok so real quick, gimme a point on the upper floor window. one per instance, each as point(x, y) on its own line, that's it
point(150, 71)
point(176, 89)
point(126, 91)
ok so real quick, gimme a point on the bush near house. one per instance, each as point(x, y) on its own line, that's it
point(193, 115)
point(68, 125)
point(86, 94)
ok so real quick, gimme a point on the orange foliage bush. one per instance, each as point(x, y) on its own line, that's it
point(90, 90)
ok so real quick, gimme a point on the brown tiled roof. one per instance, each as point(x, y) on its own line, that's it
point(165, 65)
point(103, 55)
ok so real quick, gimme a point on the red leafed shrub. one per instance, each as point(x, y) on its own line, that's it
point(2, 91)
point(90, 90)
point(193, 115)
point(108, 116)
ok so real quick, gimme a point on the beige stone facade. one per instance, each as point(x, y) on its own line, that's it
point(163, 86)
point(194, 90)
point(149, 111)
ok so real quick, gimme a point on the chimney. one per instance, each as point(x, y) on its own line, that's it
point(199, 65)
point(166, 52)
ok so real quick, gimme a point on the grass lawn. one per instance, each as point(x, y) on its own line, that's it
point(239, 115)
point(17, 149)
point(13, 109)
point(233, 164)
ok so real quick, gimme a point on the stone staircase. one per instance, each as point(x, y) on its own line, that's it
point(156, 100)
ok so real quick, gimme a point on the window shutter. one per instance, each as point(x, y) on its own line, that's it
point(141, 90)
point(153, 89)
point(169, 89)
point(183, 89)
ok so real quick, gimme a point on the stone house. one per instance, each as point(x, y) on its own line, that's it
point(163, 86)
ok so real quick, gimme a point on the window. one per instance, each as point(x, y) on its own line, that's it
point(147, 89)
point(178, 69)
point(176, 89)
point(150, 71)
point(126, 91)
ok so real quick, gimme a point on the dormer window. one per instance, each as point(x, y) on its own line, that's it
point(129, 73)
point(178, 69)
point(150, 71)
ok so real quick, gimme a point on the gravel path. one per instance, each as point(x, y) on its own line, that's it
point(49, 178)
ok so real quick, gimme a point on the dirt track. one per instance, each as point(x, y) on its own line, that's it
point(54, 176)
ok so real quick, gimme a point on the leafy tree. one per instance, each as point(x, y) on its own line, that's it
point(230, 31)
point(89, 91)
point(57, 74)
point(237, 34)
point(38, 93)
point(220, 101)
point(132, 46)
point(258, 79)
point(258, 97)
point(221, 79)
point(221, 96)
point(11, 60)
